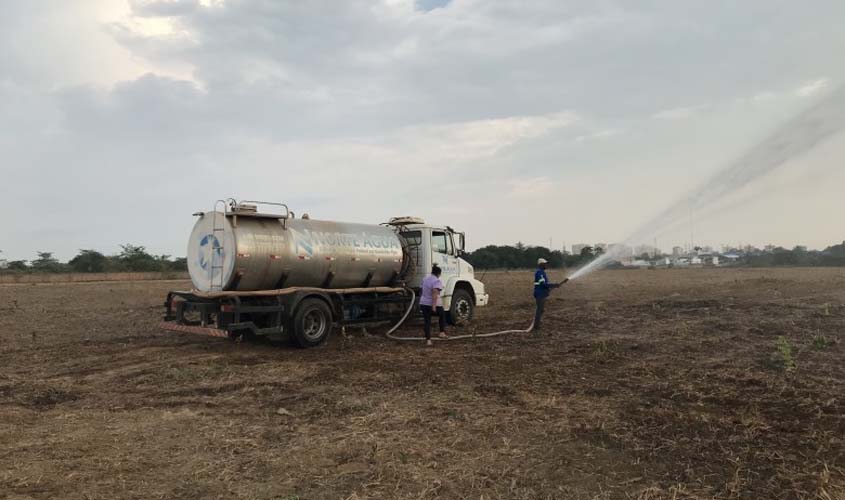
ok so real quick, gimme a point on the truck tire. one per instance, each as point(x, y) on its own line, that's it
point(312, 322)
point(462, 307)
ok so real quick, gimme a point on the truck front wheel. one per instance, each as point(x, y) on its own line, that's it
point(462, 307)
point(312, 323)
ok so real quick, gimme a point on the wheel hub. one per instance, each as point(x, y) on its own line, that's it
point(463, 309)
point(314, 325)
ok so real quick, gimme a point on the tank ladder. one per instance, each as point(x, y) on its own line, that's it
point(216, 248)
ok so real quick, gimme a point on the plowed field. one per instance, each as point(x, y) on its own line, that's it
point(644, 384)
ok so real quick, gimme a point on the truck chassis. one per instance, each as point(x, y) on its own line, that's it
point(306, 315)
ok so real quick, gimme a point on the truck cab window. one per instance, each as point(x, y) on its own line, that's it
point(439, 242)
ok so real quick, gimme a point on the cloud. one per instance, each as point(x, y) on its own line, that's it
point(532, 187)
point(678, 113)
point(763, 96)
point(429, 5)
point(163, 8)
point(482, 138)
point(601, 134)
point(813, 87)
point(366, 109)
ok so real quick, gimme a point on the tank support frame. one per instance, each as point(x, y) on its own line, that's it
point(272, 312)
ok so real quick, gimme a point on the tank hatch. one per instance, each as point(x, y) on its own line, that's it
point(405, 221)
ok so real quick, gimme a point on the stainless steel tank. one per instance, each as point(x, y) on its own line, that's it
point(253, 251)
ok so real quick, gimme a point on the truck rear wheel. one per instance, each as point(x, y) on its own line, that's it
point(312, 323)
point(462, 307)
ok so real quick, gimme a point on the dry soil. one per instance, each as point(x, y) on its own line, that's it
point(652, 384)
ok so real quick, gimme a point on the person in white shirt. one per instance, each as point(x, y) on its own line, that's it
point(431, 302)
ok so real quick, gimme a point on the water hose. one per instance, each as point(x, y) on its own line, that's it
point(408, 312)
point(390, 335)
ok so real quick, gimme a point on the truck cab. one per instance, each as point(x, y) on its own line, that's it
point(430, 244)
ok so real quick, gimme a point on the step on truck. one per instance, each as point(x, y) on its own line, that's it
point(258, 270)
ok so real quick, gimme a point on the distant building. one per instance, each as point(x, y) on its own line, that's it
point(731, 258)
point(645, 249)
point(677, 252)
point(4, 264)
point(709, 259)
point(576, 248)
point(602, 246)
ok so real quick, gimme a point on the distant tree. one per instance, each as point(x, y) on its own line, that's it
point(838, 250)
point(783, 257)
point(46, 263)
point(514, 257)
point(179, 264)
point(832, 255)
point(88, 261)
point(135, 258)
point(587, 252)
point(166, 264)
point(17, 265)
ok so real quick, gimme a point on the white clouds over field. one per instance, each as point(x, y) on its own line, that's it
point(511, 120)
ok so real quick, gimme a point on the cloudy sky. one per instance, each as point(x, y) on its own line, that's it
point(513, 120)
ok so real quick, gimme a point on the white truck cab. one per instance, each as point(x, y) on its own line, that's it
point(429, 245)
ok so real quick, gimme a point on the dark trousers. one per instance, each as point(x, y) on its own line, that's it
point(538, 313)
point(427, 311)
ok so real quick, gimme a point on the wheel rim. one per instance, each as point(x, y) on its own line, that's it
point(463, 309)
point(314, 325)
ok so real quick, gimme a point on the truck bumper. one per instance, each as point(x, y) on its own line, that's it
point(481, 299)
point(173, 326)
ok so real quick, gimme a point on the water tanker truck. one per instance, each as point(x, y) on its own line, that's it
point(258, 270)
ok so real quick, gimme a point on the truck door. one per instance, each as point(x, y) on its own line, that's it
point(444, 255)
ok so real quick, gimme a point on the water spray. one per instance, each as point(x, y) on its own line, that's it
point(795, 137)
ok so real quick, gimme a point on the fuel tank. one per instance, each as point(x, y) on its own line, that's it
point(245, 252)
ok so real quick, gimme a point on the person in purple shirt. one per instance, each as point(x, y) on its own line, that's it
point(431, 302)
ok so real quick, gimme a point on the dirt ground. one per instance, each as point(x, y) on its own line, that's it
point(660, 384)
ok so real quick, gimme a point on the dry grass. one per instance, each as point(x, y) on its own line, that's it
point(645, 385)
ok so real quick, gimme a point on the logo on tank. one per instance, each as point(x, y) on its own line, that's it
point(304, 246)
point(305, 242)
point(210, 251)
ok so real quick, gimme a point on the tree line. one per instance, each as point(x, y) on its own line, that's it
point(520, 256)
point(832, 256)
point(132, 258)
